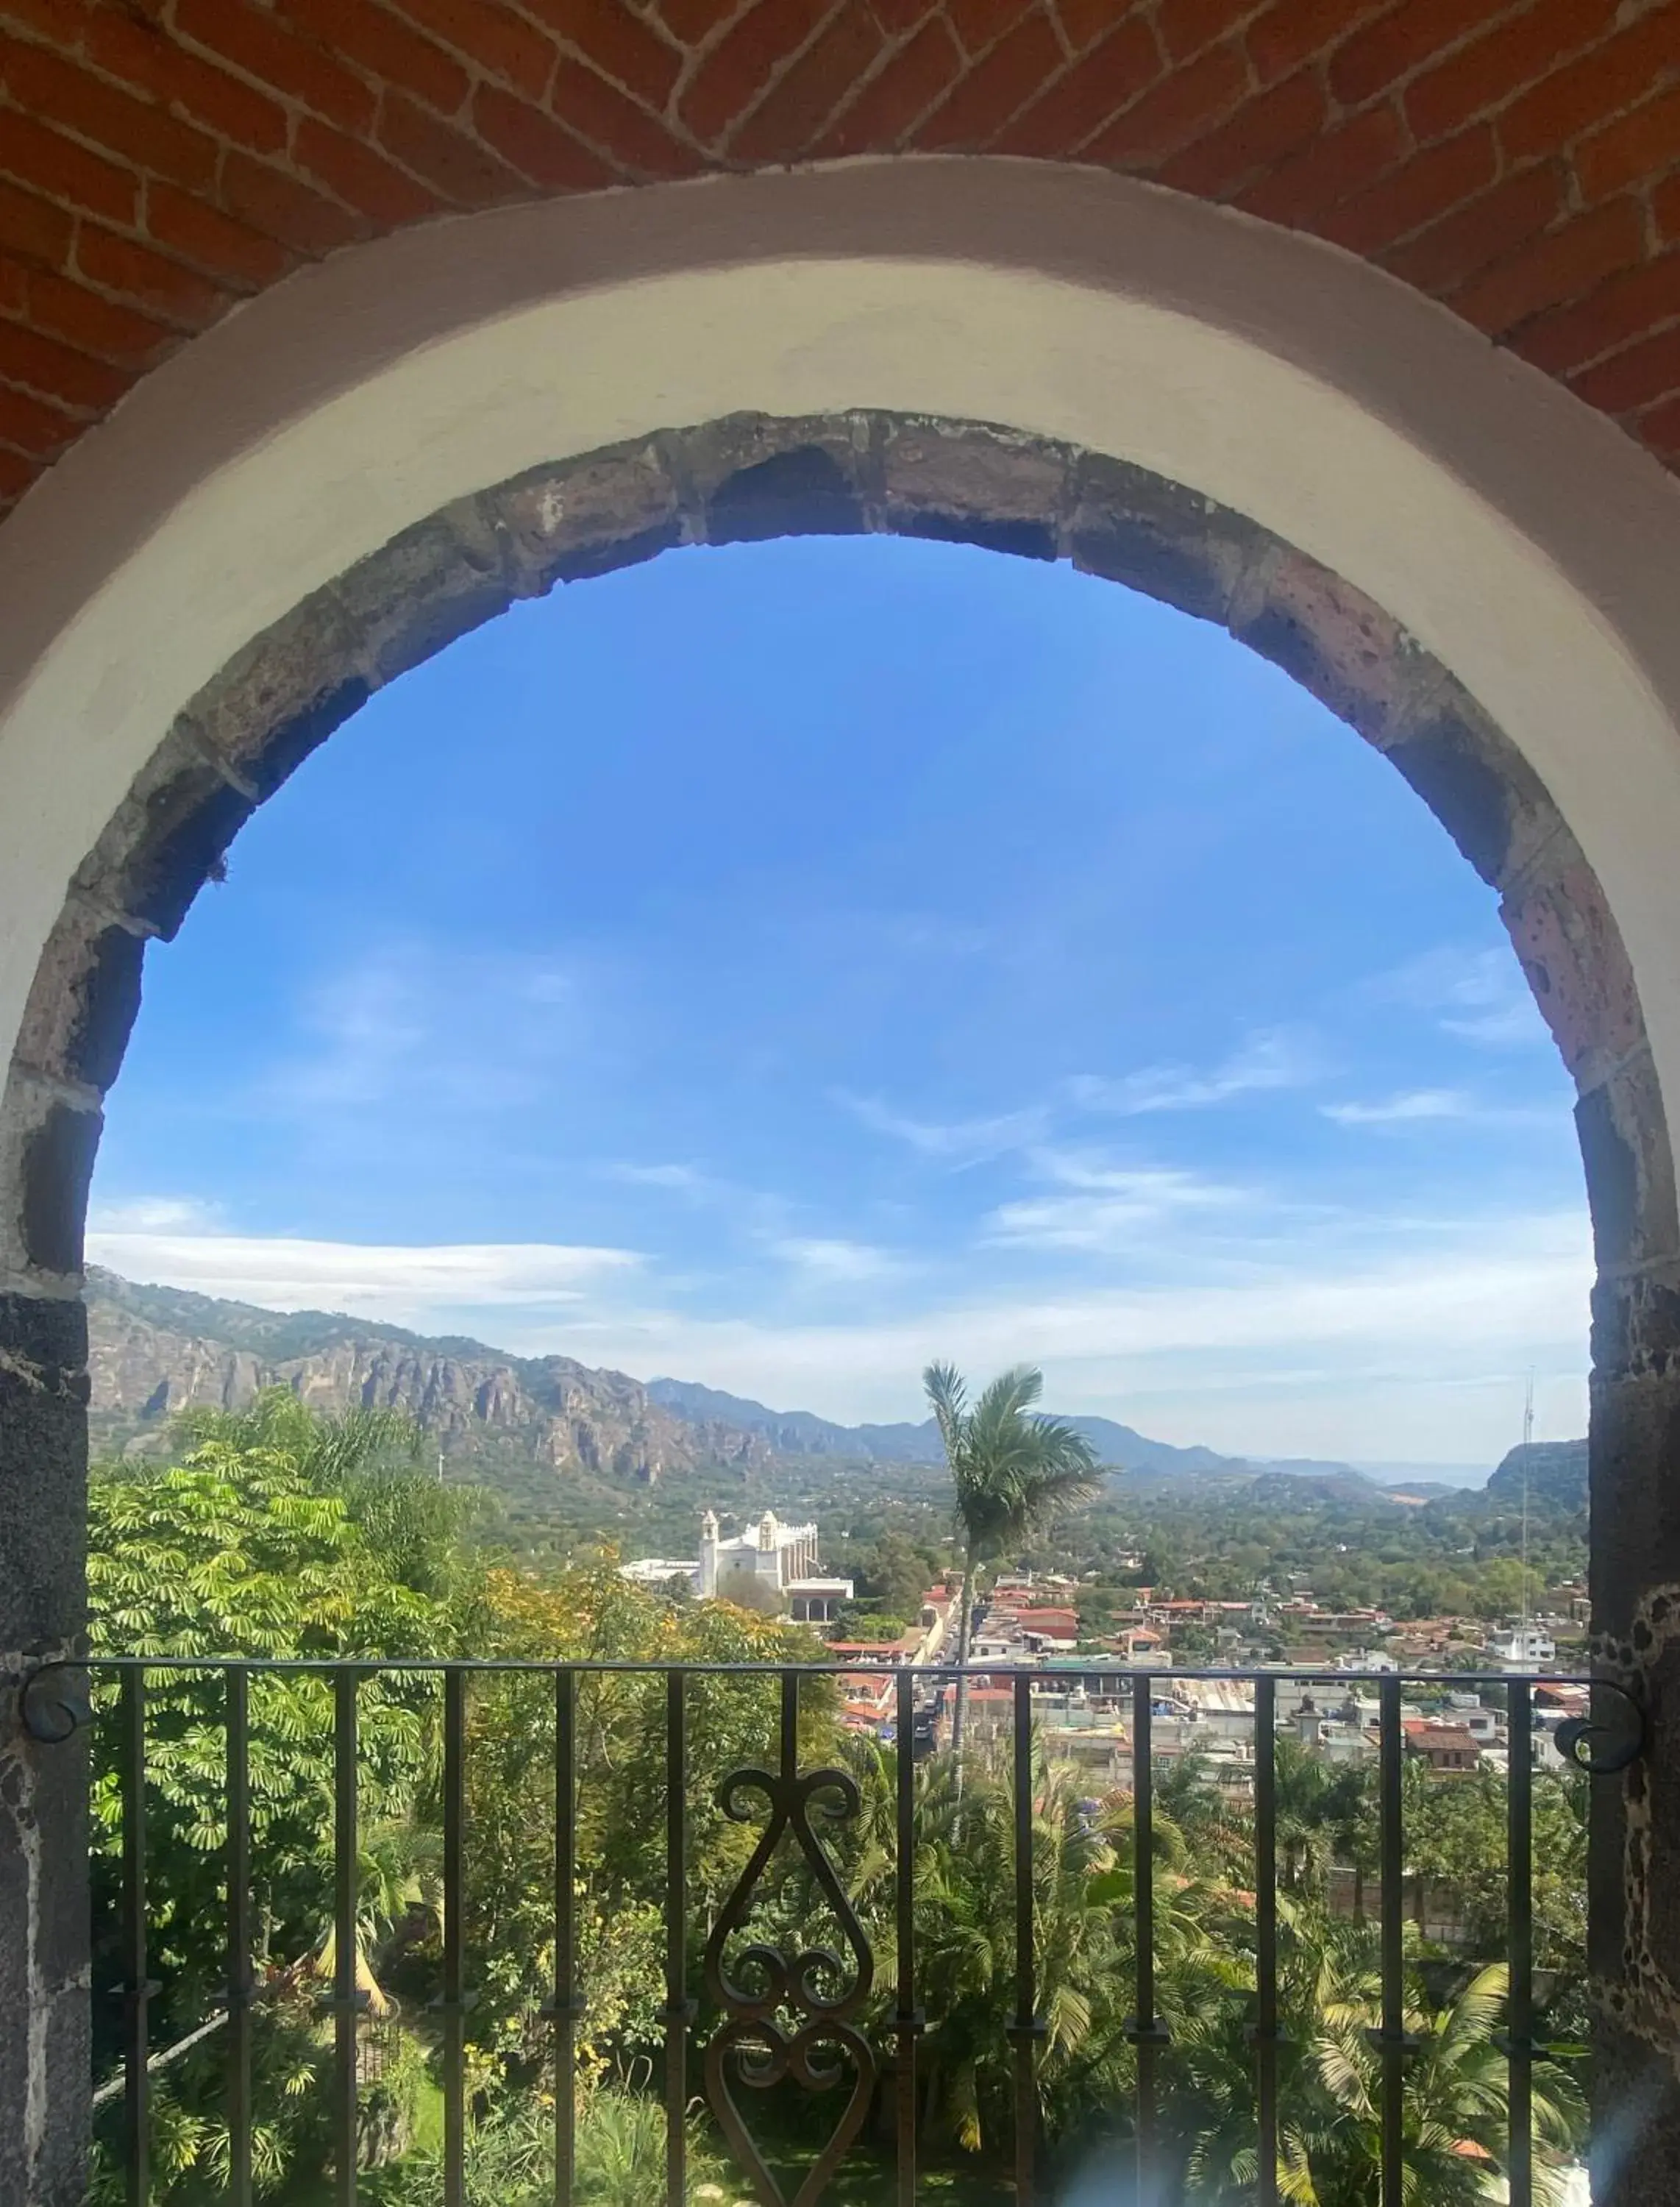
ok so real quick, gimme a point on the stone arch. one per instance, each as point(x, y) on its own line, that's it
point(754, 477)
point(230, 741)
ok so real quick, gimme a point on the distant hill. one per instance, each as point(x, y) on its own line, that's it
point(799, 1432)
point(1131, 1450)
point(1556, 1475)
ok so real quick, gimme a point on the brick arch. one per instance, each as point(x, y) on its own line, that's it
point(160, 160)
point(754, 477)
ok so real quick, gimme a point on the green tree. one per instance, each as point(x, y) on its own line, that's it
point(1013, 1473)
point(279, 1534)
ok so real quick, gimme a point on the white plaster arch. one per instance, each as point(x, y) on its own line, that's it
point(1532, 548)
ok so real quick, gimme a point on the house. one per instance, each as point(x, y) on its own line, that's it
point(1450, 1750)
point(868, 1699)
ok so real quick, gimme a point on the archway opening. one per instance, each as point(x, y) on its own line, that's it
point(679, 972)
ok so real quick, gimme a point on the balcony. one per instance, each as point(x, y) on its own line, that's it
point(620, 1933)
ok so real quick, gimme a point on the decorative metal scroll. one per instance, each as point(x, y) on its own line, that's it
point(1611, 1737)
point(815, 2050)
point(53, 1703)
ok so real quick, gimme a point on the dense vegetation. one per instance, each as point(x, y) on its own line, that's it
point(277, 1534)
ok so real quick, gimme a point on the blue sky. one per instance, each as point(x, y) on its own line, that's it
point(777, 965)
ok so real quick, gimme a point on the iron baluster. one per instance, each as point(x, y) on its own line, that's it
point(567, 2005)
point(137, 1986)
point(1025, 2028)
point(1391, 2039)
point(678, 2008)
point(907, 2018)
point(453, 2003)
point(346, 1994)
point(1520, 1876)
point(240, 1988)
point(1265, 1930)
point(1146, 2030)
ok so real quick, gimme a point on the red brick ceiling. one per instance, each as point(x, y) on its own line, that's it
point(160, 159)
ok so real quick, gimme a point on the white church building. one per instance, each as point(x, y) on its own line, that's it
point(771, 1566)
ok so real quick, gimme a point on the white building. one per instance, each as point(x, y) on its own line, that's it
point(1523, 1647)
point(771, 1567)
point(1486, 1726)
point(817, 1601)
point(763, 1561)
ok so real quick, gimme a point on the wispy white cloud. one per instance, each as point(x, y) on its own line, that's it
point(1406, 1109)
point(953, 1141)
point(1296, 1352)
point(1277, 1058)
point(155, 1214)
point(755, 1218)
point(1479, 996)
point(1102, 1207)
point(471, 1029)
point(364, 1025)
point(1414, 1107)
point(678, 1179)
point(416, 1285)
point(540, 981)
point(1505, 1026)
point(828, 1263)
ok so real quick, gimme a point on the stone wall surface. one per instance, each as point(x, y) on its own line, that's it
point(43, 2044)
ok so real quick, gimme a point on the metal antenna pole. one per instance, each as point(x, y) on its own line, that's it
point(1527, 1444)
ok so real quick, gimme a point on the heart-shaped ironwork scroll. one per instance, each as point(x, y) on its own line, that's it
point(763, 2050)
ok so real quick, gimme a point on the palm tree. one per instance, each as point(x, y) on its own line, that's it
point(401, 1892)
point(1456, 2099)
point(1456, 2103)
point(329, 1451)
point(1303, 1810)
point(1012, 1472)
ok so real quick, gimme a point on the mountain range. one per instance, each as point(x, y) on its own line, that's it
point(519, 1423)
point(798, 1433)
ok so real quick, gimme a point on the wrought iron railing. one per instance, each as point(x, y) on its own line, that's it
point(795, 2014)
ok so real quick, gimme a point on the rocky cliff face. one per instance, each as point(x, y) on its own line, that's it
point(154, 1352)
point(518, 1421)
